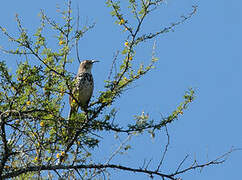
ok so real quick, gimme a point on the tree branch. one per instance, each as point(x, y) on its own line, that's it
point(91, 166)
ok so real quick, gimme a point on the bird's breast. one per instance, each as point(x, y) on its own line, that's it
point(84, 80)
point(85, 87)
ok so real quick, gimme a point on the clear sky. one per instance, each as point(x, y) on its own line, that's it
point(204, 53)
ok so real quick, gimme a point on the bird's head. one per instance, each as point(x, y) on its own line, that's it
point(86, 66)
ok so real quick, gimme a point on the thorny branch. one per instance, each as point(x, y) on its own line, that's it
point(195, 165)
point(151, 173)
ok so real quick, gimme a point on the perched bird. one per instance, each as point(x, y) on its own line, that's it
point(83, 87)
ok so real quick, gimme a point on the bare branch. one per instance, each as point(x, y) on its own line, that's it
point(166, 149)
point(119, 148)
point(91, 166)
point(219, 160)
point(179, 166)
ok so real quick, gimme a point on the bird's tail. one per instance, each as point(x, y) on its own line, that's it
point(71, 122)
point(72, 112)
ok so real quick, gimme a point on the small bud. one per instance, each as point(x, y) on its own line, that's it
point(28, 103)
point(122, 21)
point(61, 42)
point(42, 124)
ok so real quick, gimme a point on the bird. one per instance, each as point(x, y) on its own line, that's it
point(83, 87)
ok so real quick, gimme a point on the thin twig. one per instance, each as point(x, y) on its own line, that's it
point(77, 39)
point(166, 149)
point(219, 160)
point(113, 66)
point(118, 149)
point(179, 166)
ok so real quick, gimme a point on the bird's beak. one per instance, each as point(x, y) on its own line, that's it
point(94, 61)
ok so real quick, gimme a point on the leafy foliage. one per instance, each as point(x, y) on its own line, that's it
point(34, 134)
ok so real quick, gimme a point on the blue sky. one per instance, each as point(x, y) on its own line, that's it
point(203, 53)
